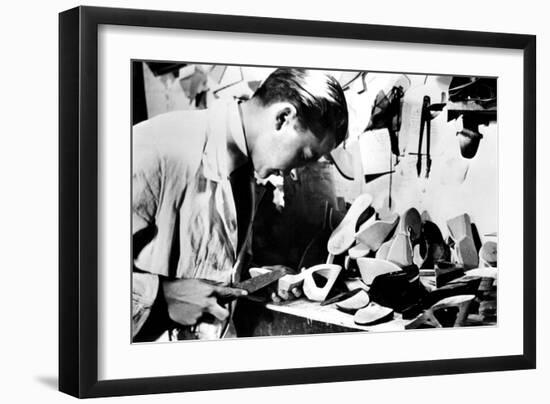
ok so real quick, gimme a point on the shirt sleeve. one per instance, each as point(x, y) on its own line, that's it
point(144, 291)
point(146, 187)
point(166, 153)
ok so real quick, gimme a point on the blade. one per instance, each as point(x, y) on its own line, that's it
point(261, 281)
point(372, 177)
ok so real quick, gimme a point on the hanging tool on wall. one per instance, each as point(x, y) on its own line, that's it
point(429, 112)
point(424, 122)
point(346, 79)
point(386, 113)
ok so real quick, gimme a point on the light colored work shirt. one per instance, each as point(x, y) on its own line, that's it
point(181, 186)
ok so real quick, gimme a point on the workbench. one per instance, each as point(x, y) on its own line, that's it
point(302, 316)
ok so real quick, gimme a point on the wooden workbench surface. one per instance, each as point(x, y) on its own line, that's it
point(303, 316)
point(331, 315)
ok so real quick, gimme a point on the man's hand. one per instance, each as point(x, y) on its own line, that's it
point(189, 299)
point(277, 292)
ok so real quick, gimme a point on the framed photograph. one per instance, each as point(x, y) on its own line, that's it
point(251, 201)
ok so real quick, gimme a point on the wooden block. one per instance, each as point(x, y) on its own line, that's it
point(288, 283)
point(445, 275)
point(373, 234)
point(319, 293)
point(384, 249)
point(342, 237)
point(355, 283)
point(461, 302)
point(460, 226)
point(354, 303)
point(370, 268)
point(359, 250)
point(373, 314)
point(401, 252)
point(466, 253)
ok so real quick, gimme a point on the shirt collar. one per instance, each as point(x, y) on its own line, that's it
point(223, 122)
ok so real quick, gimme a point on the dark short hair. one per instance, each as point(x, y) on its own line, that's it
point(318, 98)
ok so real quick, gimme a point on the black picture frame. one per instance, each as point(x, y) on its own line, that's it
point(78, 200)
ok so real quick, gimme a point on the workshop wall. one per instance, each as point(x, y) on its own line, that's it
point(454, 184)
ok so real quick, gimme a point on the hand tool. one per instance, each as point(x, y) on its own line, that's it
point(429, 112)
point(261, 281)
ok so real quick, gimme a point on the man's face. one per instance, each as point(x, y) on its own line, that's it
point(287, 145)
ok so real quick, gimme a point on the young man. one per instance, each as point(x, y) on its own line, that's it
point(188, 167)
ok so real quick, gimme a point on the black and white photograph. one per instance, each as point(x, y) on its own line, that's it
point(272, 201)
point(276, 202)
point(255, 201)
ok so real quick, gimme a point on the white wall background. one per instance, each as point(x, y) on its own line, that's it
point(28, 176)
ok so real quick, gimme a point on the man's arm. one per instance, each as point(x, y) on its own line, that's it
point(146, 185)
point(159, 180)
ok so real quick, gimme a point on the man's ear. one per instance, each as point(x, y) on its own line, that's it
point(285, 114)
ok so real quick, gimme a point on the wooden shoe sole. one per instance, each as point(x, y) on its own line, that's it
point(460, 302)
point(342, 237)
point(370, 268)
point(355, 302)
point(373, 234)
point(319, 293)
point(359, 250)
point(373, 314)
